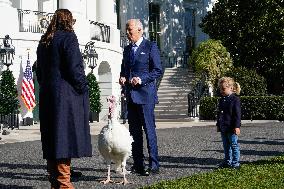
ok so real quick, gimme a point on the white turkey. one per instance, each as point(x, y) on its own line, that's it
point(115, 142)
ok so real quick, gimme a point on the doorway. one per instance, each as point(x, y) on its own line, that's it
point(154, 23)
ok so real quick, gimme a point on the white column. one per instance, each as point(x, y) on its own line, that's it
point(47, 6)
point(8, 14)
point(82, 25)
point(73, 5)
point(5, 3)
point(91, 10)
point(30, 5)
point(106, 12)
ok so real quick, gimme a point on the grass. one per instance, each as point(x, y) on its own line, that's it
point(260, 174)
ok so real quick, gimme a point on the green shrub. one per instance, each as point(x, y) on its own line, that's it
point(94, 93)
point(208, 107)
point(253, 107)
point(212, 59)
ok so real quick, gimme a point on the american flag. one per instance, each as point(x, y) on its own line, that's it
point(28, 91)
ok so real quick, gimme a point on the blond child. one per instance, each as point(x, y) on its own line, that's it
point(229, 121)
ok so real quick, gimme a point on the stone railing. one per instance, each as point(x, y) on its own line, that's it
point(100, 32)
point(33, 21)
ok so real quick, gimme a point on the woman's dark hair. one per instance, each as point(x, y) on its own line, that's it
point(61, 20)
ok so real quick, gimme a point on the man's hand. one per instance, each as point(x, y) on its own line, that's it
point(122, 80)
point(237, 131)
point(135, 80)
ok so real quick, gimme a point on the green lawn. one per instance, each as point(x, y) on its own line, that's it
point(268, 174)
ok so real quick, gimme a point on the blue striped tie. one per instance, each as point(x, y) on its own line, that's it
point(132, 54)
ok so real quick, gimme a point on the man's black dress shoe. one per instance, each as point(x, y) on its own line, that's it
point(153, 171)
point(141, 171)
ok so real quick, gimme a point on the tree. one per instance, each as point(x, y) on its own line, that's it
point(94, 93)
point(212, 59)
point(252, 31)
point(8, 93)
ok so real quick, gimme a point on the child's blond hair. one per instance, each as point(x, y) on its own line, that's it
point(229, 82)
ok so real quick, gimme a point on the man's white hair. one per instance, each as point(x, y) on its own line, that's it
point(137, 22)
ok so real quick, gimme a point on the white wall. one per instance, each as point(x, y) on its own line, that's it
point(107, 52)
point(91, 10)
point(48, 6)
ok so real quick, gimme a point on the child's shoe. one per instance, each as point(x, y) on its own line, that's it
point(223, 165)
point(236, 167)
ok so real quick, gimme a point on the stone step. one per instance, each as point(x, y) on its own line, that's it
point(174, 109)
point(173, 98)
point(171, 109)
point(171, 79)
point(171, 106)
point(163, 105)
point(173, 101)
point(174, 87)
point(177, 70)
point(177, 101)
point(172, 117)
point(173, 90)
point(182, 119)
point(171, 94)
point(185, 74)
point(178, 76)
point(178, 73)
point(174, 112)
point(165, 112)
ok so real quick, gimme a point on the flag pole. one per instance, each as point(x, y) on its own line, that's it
point(28, 49)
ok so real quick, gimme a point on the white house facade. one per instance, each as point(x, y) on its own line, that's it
point(173, 24)
point(25, 21)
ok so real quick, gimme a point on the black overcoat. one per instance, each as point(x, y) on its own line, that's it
point(229, 113)
point(63, 99)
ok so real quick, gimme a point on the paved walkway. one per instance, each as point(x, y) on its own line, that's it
point(32, 133)
point(185, 148)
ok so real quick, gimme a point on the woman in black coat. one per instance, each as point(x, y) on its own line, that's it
point(63, 99)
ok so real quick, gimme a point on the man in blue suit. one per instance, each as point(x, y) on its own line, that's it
point(141, 66)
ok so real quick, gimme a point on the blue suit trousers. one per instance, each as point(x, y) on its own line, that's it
point(142, 116)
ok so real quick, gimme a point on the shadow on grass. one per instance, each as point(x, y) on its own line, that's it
point(253, 152)
point(261, 153)
point(272, 161)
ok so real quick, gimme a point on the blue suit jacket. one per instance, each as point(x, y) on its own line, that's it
point(147, 66)
point(229, 113)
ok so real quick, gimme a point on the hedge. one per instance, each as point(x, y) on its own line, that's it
point(253, 108)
